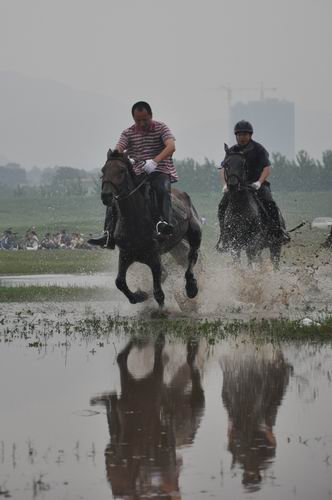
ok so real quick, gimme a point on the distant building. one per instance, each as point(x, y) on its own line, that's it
point(273, 121)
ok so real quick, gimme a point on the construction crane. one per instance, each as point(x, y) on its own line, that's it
point(229, 91)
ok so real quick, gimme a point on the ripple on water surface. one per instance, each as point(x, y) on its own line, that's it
point(91, 417)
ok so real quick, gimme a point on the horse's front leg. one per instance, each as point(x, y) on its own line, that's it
point(194, 238)
point(156, 269)
point(275, 253)
point(124, 262)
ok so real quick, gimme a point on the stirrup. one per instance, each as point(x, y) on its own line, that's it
point(110, 243)
point(167, 228)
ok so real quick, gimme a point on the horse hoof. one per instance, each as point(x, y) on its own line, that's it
point(192, 289)
point(138, 297)
point(160, 298)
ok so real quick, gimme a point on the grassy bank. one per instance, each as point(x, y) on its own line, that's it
point(55, 261)
point(31, 326)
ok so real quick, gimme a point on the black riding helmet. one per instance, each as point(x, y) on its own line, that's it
point(243, 126)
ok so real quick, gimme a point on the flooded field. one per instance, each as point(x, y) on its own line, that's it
point(88, 411)
point(226, 396)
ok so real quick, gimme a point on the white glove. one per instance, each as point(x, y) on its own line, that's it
point(256, 185)
point(224, 188)
point(150, 166)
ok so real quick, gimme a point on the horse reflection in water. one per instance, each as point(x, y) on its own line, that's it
point(255, 379)
point(147, 424)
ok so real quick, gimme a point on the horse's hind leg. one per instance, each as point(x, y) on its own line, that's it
point(124, 262)
point(275, 253)
point(194, 236)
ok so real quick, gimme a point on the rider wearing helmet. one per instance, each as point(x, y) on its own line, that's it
point(151, 145)
point(257, 171)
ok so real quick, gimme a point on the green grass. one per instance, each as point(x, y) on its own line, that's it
point(29, 325)
point(55, 261)
point(86, 215)
point(73, 213)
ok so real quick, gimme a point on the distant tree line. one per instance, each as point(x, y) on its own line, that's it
point(48, 182)
point(302, 174)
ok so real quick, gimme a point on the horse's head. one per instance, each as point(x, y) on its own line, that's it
point(234, 168)
point(116, 179)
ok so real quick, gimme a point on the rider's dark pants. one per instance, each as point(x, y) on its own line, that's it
point(161, 184)
point(265, 196)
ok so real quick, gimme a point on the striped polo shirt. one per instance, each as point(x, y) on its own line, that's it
point(146, 145)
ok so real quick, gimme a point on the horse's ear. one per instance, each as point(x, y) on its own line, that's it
point(226, 148)
point(109, 154)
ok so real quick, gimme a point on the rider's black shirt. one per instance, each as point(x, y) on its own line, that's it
point(256, 159)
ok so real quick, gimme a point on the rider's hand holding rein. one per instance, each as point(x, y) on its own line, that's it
point(256, 185)
point(150, 166)
point(264, 175)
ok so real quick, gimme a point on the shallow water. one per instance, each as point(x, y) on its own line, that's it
point(226, 290)
point(234, 420)
point(81, 280)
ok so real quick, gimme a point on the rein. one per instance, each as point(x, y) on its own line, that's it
point(118, 197)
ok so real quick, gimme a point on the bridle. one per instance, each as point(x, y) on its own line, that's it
point(239, 180)
point(119, 197)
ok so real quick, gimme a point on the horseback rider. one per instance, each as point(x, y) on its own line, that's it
point(258, 169)
point(150, 144)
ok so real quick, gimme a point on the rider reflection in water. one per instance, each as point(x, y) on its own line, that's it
point(257, 171)
point(150, 144)
point(254, 385)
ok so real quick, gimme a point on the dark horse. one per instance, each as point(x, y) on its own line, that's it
point(135, 229)
point(148, 422)
point(246, 225)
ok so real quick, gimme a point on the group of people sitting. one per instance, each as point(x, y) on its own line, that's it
point(62, 239)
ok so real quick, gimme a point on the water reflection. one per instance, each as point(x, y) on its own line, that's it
point(148, 422)
point(255, 379)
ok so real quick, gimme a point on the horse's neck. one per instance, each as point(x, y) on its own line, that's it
point(241, 198)
point(135, 212)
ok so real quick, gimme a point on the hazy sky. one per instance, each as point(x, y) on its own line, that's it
point(175, 53)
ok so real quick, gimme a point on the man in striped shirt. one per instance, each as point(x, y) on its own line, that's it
point(150, 144)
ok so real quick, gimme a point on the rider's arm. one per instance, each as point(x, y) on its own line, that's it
point(123, 142)
point(167, 151)
point(222, 176)
point(264, 175)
